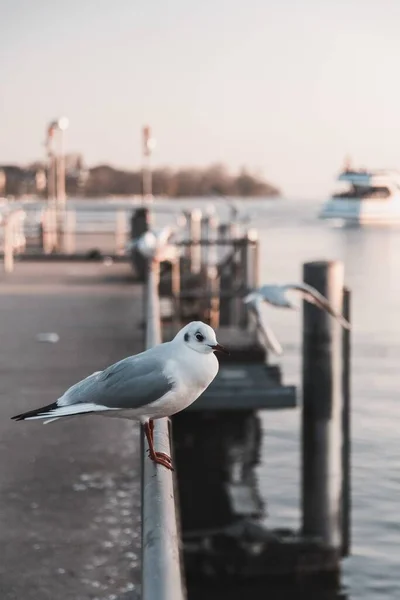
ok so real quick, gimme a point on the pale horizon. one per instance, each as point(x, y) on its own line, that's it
point(287, 90)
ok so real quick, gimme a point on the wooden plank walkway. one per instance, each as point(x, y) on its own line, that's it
point(69, 491)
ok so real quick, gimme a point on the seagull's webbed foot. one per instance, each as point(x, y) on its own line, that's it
point(160, 458)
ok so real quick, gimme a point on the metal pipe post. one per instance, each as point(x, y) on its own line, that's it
point(176, 290)
point(147, 179)
point(322, 408)
point(161, 566)
point(194, 224)
point(60, 196)
point(61, 172)
point(205, 236)
point(249, 271)
point(226, 277)
point(140, 223)
point(50, 243)
point(346, 428)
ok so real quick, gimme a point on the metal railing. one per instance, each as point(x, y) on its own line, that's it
point(161, 563)
point(62, 231)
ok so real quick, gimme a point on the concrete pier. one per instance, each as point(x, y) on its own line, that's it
point(69, 491)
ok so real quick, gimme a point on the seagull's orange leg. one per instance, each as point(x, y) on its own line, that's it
point(159, 458)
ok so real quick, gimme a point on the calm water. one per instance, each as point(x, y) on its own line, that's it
point(290, 235)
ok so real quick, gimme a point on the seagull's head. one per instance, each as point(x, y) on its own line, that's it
point(200, 337)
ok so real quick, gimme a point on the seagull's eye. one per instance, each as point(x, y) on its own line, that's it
point(199, 337)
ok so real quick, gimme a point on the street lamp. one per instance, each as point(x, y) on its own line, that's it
point(56, 171)
point(61, 125)
point(149, 143)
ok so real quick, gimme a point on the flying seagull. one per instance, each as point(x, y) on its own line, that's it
point(269, 337)
point(153, 384)
point(277, 295)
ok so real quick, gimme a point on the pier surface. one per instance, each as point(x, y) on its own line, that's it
point(70, 490)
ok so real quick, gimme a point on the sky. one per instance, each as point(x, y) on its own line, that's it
point(286, 89)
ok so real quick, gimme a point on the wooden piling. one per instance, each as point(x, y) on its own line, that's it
point(322, 408)
point(140, 223)
point(249, 266)
point(227, 264)
point(176, 291)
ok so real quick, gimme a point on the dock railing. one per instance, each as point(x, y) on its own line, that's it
point(162, 577)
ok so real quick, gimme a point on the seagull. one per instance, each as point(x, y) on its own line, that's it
point(276, 295)
point(155, 245)
point(254, 306)
point(151, 385)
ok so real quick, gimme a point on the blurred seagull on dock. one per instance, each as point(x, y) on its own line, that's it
point(155, 245)
point(151, 385)
point(276, 295)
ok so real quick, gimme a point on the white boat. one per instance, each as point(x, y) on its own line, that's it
point(368, 197)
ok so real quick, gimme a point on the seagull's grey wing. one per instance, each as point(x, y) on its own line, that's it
point(313, 296)
point(130, 383)
point(275, 294)
point(270, 339)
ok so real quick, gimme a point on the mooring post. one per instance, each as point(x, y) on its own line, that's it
point(176, 290)
point(346, 428)
point(194, 232)
point(249, 266)
point(322, 408)
point(213, 236)
point(205, 236)
point(140, 223)
point(227, 263)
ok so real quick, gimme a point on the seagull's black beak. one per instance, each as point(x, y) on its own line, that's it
point(219, 348)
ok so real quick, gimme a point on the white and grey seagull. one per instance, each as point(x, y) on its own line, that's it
point(153, 384)
point(277, 295)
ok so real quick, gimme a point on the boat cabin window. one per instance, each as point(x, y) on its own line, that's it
point(361, 192)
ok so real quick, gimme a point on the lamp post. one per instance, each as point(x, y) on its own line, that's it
point(62, 125)
point(149, 144)
point(56, 177)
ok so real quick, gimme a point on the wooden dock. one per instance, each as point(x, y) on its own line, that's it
point(70, 491)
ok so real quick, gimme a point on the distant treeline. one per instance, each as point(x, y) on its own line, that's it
point(105, 180)
point(183, 182)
